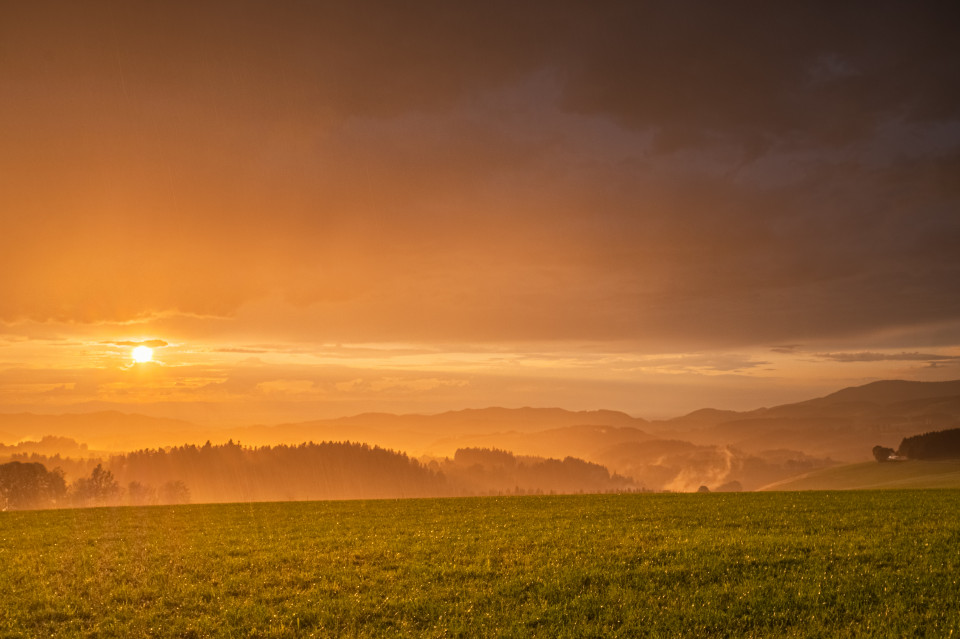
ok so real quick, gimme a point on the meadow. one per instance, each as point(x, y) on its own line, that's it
point(908, 474)
point(803, 564)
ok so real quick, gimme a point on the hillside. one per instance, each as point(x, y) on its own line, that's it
point(843, 426)
point(874, 476)
point(683, 467)
point(529, 431)
point(709, 446)
point(889, 391)
point(104, 430)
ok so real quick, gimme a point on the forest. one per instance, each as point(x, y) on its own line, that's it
point(942, 444)
point(231, 472)
point(29, 486)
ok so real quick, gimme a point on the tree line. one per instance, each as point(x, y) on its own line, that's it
point(330, 470)
point(490, 470)
point(942, 444)
point(29, 485)
point(936, 445)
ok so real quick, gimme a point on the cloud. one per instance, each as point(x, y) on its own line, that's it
point(293, 387)
point(756, 76)
point(152, 343)
point(887, 357)
point(416, 384)
point(785, 349)
point(398, 384)
point(696, 363)
point(240, 350)
point(707, 177)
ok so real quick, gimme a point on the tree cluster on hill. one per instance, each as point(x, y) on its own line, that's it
point(489, 470)
point(29, 485)
point(48, 445)
point(72, 467)
point(883, 454)
point(942, 444)
point(230, 473)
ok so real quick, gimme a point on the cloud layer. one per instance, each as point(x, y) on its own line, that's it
point(701, 181)
point(737, 173)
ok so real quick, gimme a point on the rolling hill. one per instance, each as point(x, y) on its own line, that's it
point(103, 430)
point(874, 476)
point(708, 446)
point(843, 426)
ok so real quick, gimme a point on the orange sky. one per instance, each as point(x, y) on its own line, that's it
point(323, 209)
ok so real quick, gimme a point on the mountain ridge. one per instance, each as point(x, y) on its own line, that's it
point(710, 446)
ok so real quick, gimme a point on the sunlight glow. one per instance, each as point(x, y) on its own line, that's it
point(142, 354)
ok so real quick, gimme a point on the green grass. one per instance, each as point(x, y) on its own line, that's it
point(875, 476)
point(852, 564)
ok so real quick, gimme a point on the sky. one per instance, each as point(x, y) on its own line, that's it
point(315, 209)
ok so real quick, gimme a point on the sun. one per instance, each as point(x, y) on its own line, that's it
point(142, 354)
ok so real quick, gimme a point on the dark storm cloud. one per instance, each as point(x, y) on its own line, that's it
point(686, 172)
point(754, 73)
point(759, 74)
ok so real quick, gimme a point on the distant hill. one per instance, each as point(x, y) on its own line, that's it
point(844, 425)
point(104, 430)
point(579, 441)
point(546, 432)
point(890, 391)
point(707, 417)
point(681, 466)
point(874, 476)
point(550, 432)
point(530, 419)
point(48, 445)
point(710, 446)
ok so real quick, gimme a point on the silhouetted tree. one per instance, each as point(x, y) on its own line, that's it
point(882, 454)
point(99, 488)
point(174, 492)
point(493, 471)
point(30, 485)
point(487, 458)
point(231, 472)
point(943, 444)
point(141, 495)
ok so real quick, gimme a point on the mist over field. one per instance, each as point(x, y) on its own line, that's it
point(483, 452)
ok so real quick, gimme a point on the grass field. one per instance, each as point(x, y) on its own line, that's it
point(850, 564)
point(874, 476)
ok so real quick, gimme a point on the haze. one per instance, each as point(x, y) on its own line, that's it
point(311, 210)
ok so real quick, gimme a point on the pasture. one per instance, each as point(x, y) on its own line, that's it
point(850, 564)
point(873, 476)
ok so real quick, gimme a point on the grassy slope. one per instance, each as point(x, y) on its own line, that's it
point(873, 476)
point(878, 564)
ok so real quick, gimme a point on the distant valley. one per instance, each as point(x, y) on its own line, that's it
point(725, 450)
